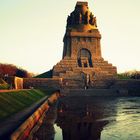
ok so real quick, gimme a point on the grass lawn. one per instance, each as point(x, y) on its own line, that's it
point(123, 77)
point(13, 102)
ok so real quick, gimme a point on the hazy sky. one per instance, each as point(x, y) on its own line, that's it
point(31, 32)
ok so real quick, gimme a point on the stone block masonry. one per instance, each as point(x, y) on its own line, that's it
point(43, 83)
point(82, 56)
point(14, 82)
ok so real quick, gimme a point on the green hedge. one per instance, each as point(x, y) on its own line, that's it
point(129, 75)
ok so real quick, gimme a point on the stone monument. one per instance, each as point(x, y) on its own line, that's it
point(82, 64)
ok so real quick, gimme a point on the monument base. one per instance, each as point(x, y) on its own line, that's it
point(101, 75)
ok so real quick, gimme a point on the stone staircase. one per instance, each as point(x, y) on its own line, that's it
point(63, 66)
point(72, 74)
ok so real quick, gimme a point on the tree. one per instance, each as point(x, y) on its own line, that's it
point(7, 69)
point(12, 70)
point(21, 73)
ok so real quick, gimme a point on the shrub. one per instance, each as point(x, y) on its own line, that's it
point(129, 75)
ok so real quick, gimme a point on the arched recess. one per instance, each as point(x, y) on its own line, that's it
point(84, 58)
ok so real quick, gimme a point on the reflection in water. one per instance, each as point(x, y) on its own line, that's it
point(46, 131)
point(58, 134)
point(81, 118)
point(92, 118)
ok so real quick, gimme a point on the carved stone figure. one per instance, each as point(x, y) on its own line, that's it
point(95, 22)
point(86, 18)
point(91, 19)
point(81, 15)
point(80, 18)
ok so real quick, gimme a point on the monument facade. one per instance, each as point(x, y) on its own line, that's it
point(82, 62)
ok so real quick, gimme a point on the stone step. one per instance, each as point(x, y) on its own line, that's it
point(63, 66)
point(82, 68)
point(68, 61)
point(108, 69)
point(102, 64)
point(100, 61)
point(66, 65)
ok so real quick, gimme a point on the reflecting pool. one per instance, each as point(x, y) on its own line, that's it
point(92, 118)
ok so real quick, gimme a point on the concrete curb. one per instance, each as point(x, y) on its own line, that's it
point(23, 132)
point(8, 126)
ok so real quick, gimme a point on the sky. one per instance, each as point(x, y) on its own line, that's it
point(32, 31)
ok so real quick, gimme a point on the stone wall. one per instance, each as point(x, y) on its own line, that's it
point(18, 82)
point(58, 83)
point(14, 82)
point(43, 83)
point(127, 84)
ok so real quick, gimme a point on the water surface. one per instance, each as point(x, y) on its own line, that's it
point(93, 118)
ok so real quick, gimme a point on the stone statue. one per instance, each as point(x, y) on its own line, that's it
point(68, 21)
point(77, 18)
point(95, 21)
point(91, 19)
point(72, 18)
point(80, 18)
point(86, 17)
